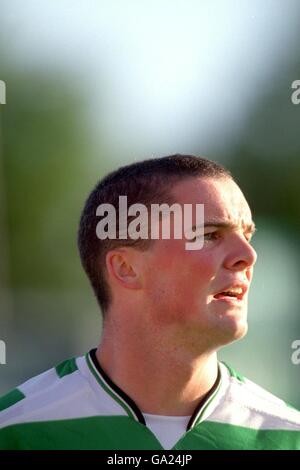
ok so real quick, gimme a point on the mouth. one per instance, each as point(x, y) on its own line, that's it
point(232, 294)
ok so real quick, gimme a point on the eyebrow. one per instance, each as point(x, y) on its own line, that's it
point(249, 228)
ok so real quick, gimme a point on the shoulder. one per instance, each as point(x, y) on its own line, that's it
point(250, 405)
point(47, 396)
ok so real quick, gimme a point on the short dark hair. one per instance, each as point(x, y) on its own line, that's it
point(146, 182)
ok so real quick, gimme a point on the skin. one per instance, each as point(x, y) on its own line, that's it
point(164, 326)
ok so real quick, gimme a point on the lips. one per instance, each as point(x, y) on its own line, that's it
point(232, 292)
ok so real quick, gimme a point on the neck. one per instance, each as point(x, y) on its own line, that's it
point(160, 378)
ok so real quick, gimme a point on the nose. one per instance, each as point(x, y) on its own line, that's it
point(241, 256)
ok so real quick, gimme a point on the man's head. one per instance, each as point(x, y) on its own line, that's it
point(176, 285)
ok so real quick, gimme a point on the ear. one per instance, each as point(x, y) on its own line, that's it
point(122, 269)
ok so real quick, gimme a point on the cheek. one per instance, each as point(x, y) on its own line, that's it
point(199, 268)
point(177, 287)
point(184, 277)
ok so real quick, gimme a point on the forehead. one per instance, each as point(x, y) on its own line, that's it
point(222, 198)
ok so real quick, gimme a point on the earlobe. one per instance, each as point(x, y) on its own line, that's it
point(121, 269)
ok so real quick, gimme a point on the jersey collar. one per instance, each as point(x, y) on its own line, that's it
point(204, 408)
point(112, 389)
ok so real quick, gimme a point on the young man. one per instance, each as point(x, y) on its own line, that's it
point(155, 382)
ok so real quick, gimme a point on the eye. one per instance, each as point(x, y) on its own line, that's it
point(208, 237)
point(211, 236)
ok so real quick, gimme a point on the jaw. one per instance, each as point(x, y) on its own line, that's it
point(232, 327)
point(227, 323)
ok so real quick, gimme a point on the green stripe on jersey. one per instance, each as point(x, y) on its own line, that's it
point(66, 367)
point(123, 433)
point(211, 435)
point(11, 398)
point(94, 433)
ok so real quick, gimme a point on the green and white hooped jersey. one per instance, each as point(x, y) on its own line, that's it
point(76, 406)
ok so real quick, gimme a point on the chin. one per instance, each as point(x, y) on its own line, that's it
point(233, 328)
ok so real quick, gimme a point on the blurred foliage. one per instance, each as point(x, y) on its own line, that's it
point(44, 151)
point(266, 156)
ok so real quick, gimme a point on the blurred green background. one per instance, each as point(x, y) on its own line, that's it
point(92, 85)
